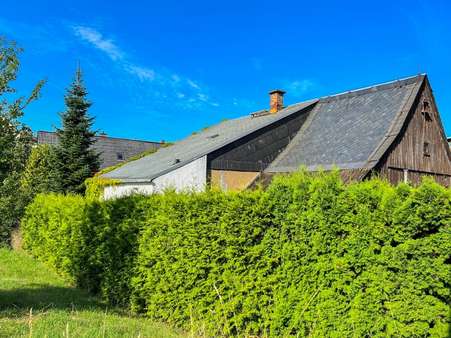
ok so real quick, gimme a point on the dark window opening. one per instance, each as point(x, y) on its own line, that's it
point(426, 149)
point(427, 116)
point(120, 156)
point(425, 105)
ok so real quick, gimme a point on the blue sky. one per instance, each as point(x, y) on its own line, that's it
point(159, 70)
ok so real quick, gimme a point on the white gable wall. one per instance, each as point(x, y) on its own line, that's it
point(192, 176)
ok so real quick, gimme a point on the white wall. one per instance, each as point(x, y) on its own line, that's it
point(120, 190)
point(192, 176)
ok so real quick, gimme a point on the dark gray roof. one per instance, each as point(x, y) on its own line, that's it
point(350, 130)
point(199, 145)
point(112, 150)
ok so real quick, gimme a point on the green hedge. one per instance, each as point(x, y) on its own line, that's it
point(91, 242)
point(309, 256)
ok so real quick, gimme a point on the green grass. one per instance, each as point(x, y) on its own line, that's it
point(36, 302)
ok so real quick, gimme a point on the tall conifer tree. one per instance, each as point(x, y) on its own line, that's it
point(76, 159)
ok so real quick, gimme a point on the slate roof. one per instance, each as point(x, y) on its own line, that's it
point(350, 130)
point(112, 150)
point(199, 145)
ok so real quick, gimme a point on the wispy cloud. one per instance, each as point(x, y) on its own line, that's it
point(166, 85)
point(299, 87)
point(193, 84)
point(96, 39)
point(141, 72)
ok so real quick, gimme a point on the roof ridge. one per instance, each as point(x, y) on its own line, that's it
point(378, 86)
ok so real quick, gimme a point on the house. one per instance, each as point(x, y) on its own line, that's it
point(392, 130)
point(112, 150)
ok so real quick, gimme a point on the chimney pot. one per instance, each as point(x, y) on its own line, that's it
point(276, 100)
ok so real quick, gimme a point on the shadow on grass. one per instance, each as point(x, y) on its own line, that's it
point(41, 297)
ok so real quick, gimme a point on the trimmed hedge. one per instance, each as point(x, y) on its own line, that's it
point(92, 243)
point(308, 256)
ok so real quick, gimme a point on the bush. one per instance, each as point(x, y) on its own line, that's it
point(308, 256)
point(91, 242)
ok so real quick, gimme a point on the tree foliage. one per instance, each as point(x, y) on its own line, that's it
point(75, 157)
point(15, 138)
point(40, 174)
point(309, 256)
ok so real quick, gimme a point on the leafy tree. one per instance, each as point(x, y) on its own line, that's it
point(40, 175)
point(76, 159)
point(15, 138)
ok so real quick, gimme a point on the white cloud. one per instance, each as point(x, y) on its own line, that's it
point(96, 39)
point(299, 87)
point(166, 85)
point(141, 72)
point(202, 97)
point(193, 84)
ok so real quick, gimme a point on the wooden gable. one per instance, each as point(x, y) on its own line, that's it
point(421, 148)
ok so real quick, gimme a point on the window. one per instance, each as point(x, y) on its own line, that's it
point(427, 116)
point(426, 149)
point(426, 111)
point(120, 156)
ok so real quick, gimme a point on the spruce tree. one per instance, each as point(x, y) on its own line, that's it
point(76, 159)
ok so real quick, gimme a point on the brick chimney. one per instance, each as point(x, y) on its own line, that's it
point(276, 100)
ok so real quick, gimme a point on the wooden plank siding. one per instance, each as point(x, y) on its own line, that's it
point(421, 148)
point(232, 180)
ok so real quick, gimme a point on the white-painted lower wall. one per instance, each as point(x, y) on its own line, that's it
point(192, 176)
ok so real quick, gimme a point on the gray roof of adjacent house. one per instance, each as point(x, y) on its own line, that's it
point(345, 130)
point(349, 130)
point(112, 150)
point(199, 145)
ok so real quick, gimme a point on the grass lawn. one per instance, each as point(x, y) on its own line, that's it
point(36, 302)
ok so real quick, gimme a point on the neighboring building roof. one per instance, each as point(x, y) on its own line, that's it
point(350, 130)
point(198, 145)
point(112, 150)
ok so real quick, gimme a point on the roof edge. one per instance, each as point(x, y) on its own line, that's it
point(396, 126)
point(109, 137)
point(379, 86)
